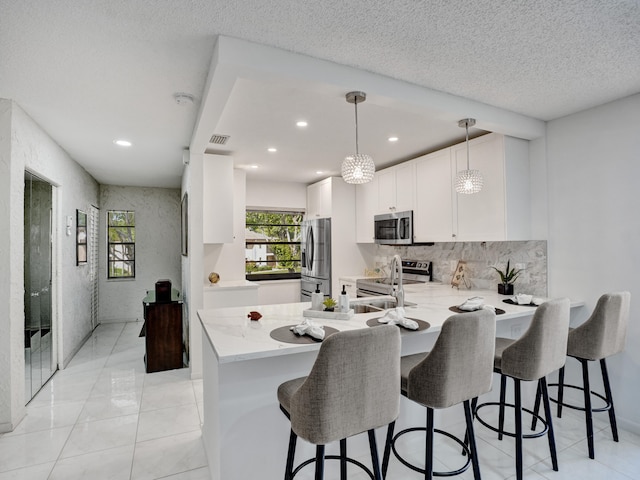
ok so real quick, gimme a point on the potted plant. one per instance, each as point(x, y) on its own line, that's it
point(329, 304)
point(507, 277)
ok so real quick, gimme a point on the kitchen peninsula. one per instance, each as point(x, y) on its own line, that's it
point(244, 432)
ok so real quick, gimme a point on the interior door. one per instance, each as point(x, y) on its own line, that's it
point(39, 364)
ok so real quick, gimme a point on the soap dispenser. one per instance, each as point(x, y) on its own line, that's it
point(317, 298)
point(343, 301)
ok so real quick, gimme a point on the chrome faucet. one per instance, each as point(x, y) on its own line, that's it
point(396, 280)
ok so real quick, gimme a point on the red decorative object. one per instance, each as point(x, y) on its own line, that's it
point(254, 316)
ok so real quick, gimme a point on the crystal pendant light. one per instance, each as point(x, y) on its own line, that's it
point(468, 181)
point(358, 168)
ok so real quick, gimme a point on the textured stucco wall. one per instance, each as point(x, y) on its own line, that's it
point(157, 248)
point(30, 148)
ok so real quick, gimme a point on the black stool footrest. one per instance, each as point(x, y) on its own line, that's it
point(511, 434)
point(452, 473)
point(606, 407)
point(335, 457)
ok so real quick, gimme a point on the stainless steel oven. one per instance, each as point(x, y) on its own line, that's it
point(413, 271)
point(394, 228)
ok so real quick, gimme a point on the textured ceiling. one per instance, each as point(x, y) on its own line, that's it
point(92, 71)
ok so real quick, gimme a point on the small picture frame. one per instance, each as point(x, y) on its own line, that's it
point(458, 276)
point(81, 237)
point(184, 224)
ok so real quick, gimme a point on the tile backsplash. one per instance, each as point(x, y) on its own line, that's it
point(480, 257)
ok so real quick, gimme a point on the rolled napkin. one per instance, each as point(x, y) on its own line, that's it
point(523, 299)
point(472, 304)
point(395, 316)
point(307, 327)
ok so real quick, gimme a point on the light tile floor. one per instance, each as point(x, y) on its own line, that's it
point(104, 418)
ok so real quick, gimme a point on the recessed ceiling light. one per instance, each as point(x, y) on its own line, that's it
point(253, 166)
point(319, 172)
point(272, 149)
point(301, 123)
point(393, 139)
point(122, 143)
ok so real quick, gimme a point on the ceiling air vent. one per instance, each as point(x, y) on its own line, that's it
point(219, 139)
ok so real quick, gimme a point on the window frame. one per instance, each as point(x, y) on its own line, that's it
point(129, 215)
point(296, 275)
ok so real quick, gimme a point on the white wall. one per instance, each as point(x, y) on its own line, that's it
point(275, 195)
point(24, 145)
point(593, 170)
point(157, 248)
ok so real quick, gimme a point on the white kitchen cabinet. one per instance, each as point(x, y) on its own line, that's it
point(396, 188)
point(433, 215)
point(217, 199)
point(366, 208)
point(500, 211)
point(339, 203)
point(319, 199)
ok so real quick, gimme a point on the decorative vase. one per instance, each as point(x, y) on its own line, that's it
point(505, 288)
point(214, 277)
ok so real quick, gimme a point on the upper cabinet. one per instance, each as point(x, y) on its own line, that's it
point(217, 199)
point(501, 210)
point(433, 216)
point(396, 187)
point(319, 199)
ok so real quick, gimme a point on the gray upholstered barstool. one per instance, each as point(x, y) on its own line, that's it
point(538, 352)
point(601, 336)
point(457, 369)
point(353, 387)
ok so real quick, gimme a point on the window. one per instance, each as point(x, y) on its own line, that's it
point(272, 245)
point(121, 244)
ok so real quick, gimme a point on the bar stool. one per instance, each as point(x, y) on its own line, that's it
point(538, 352)
point(353, 387)
point(602, 335)
point(457, 369)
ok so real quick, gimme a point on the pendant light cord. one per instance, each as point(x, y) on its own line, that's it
point(355, 102)
point(467, 127)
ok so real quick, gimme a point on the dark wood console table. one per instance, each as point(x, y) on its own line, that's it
point(163, 332)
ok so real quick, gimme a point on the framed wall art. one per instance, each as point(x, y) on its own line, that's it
point(81, 237)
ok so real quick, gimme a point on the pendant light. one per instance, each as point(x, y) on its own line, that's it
point(468, 181)
point(358, 168)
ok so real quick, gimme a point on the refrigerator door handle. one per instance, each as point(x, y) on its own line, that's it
point(311, 247)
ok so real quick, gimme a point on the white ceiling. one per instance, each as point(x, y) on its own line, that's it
point(90, 72)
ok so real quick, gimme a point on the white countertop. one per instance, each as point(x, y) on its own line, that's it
point(236, 338)
point(230, 285)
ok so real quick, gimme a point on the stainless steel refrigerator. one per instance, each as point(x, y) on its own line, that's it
point(315, 257)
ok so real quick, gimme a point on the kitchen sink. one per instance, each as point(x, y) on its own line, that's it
point(372, 305)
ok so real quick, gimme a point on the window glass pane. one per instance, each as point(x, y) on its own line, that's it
point(121, 236)
point(272, 246)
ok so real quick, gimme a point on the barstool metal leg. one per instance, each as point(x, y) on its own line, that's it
point(319, 462)
point(288, 473)
point(607, 390)
point(588, 413)
point(428, 457)
point(518, 422)
point(343, 459)
point(560, 391)
point(387, 449)
point(472, 440)
point(375, 462)
point(536, 408)
point(503, 388)
point(542, 386)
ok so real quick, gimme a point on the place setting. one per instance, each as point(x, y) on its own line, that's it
point(307, 332)
point(473, 304)
point(524, 300)
point(396, 316)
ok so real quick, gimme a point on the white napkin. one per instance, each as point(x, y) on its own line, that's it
point(396, 316)
point(491, 308)
point(307, 327)
point(472, 304)
point(523, 299)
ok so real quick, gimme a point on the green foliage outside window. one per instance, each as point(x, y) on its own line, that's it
point(272, 249)
point(121, 246)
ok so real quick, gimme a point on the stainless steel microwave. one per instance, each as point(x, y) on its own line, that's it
point(394, 228)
